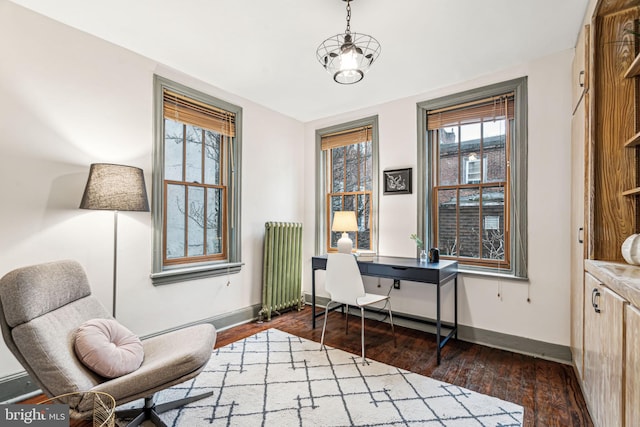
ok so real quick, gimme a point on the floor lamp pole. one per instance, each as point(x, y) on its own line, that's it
point(115, 257)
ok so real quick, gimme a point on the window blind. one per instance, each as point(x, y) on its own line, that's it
point(348, 137)
point(493, 108)
point(186, 110)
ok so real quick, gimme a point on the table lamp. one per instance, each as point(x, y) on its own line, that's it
point(116, 188)
point(343, 222)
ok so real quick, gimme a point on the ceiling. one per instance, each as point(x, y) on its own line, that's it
point(264, 50)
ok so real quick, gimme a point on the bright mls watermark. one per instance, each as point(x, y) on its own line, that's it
point(34, 415)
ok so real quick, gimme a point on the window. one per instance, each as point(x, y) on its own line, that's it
point(195, 179)
point(348, 181)
point(473, 169)
point(491, 222)
point(474, 196)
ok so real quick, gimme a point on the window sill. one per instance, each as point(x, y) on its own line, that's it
point(488, 273)
point(182, 274)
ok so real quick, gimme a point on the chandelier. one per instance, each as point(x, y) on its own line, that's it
point(347, 57)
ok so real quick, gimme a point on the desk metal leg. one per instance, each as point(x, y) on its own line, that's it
point(438, 324)
point(313, 298)
point(455, 304)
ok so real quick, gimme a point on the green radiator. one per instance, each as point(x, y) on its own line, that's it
point(282, 268)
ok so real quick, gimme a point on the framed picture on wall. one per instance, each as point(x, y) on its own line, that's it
point(397, 181)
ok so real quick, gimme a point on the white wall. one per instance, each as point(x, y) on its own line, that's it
point(67, 100)
point(546, 317)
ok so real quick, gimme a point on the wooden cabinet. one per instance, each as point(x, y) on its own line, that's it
point(605, 194)
point(632, 366)
point(604, 337)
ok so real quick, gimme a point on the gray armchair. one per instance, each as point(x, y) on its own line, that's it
point(42, 306)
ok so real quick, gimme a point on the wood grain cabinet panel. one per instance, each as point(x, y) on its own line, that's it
point(632, 365)
point(603, 353)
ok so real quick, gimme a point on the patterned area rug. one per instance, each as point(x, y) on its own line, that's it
point(274, 378)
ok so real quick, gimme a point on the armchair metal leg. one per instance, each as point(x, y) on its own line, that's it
point(150, 411)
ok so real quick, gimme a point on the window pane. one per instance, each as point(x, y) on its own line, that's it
point(470, 134)
point(336, 205)
point(448, 150)
point(469, 226)
point(349, 203)
point(212, 146)
point(447, 204)
point(196, 221)
point(175, 221)
point(352, 167)
point(366, 165)
point(173, 145)
point(364, 220)
point(493, 238)
point(493, 147)
point(193, 170)
point(214, 221)
point(337, 170)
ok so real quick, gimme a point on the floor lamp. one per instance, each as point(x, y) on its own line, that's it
point(116, 188)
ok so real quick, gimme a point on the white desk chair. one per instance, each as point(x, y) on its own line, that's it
point(344, 284)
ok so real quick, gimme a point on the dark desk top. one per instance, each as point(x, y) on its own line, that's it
point(400, 268)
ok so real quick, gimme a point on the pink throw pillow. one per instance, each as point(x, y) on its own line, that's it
point(108, 348)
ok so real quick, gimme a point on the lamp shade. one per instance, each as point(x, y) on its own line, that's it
point(344, 221)
point(115, 187)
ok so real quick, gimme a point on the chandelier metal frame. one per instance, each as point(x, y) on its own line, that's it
point(347, 57)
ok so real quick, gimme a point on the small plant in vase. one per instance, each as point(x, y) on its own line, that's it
point(420, 245)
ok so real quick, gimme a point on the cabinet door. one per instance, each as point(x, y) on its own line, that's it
point(603, 353)
point(578, 140)
point(632, 367)
point(577, 238)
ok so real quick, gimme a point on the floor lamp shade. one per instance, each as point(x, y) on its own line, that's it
point(343, 222)
point(115, 187)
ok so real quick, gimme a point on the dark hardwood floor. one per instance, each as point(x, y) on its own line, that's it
point(548, 391)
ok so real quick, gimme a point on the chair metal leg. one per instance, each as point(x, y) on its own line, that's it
point(324, 326)
point(346, 314)
point(393, 331)
point(362, 333)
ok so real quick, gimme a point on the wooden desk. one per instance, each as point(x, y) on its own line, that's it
point(411, 269)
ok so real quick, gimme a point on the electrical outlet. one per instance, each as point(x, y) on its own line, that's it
point(396, 284)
